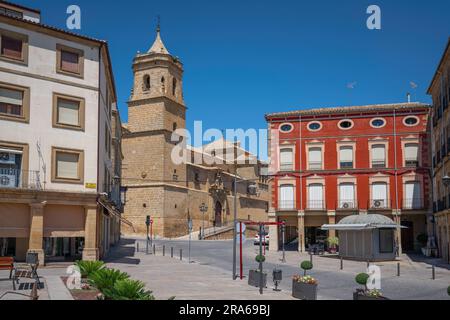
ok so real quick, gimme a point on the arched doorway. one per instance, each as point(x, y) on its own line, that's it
point(218, 214)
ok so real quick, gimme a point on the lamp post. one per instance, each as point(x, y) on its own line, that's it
point(190, 231)
point(203, 210)
point(252, 190)
point(147, 223)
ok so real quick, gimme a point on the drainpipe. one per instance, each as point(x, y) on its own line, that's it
point(301, 181)
point(396, 186)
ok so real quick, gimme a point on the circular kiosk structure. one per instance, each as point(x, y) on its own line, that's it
point(366, 237)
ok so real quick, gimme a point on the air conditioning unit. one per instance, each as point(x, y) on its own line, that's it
point(7, 158)
point(378, 203)
point(8, 180)
point(346, 205)
point(252, 189)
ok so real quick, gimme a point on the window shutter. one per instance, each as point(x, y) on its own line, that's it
point(378, 152)
point(346, 154)
point(347, 192)
point(67, 165)
point(413, 194)
point(287, 193)
point(68, 112)
point(379, 191)
point(315, 192)
point(69, 61)
point(315, 155)
point(286, 156)
point(9, 96)
point(412, 151)
point(11, 47)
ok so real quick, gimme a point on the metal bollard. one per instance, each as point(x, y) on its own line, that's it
point(154, 249)
point(433, 273)
point(310, 257)
point(164, 251)
point(398, 269)
point(342, 263)
point(171, 252)
point(181, 254)
point(368, 263)
point(137, 246)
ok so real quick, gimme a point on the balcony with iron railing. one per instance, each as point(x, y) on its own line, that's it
point(346, 164)
point(315, 205)
point(21, 179)
point(378, 163)
point(286, 166)
point(379, 204)
point(413, 204)
point(286, 205)
point(315, 165)
point(349, 204)
point(411, 162)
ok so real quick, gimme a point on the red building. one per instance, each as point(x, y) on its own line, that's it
point(333, 162)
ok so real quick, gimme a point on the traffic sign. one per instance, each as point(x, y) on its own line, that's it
point(238, 238)
point(240, 225)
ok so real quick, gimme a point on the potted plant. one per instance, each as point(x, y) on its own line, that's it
point(422, 239)
point(304, 287)
point(333, 242)
point(254, 276)
point(365, 293)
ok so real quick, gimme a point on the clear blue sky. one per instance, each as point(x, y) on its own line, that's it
point(246, 58)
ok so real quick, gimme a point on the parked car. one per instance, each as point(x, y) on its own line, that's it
point(266, 239)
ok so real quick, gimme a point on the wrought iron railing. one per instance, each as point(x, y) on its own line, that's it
point(315, 165)
point(378, 163)
point(315, 205)
point(21, 179)
point(413, 203)
point(411, 162)
point(286, 204)
point(286, 166)
point(346, 164)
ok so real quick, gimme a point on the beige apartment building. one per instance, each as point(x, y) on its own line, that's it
point(171, 192)
point(440, 91)
point(60, 153)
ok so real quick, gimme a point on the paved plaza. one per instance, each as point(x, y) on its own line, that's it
point(208, 276)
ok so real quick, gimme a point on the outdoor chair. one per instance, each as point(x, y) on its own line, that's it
point(33, 295)
point(29, 269)
point(7, 263)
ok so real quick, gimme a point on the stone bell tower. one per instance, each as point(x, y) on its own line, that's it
point(155, 185)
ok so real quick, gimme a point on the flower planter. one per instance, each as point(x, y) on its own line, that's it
point(254, 278)
point(304, 291)
point(361, 296)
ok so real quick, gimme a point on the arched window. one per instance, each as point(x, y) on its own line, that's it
point(174, 87)
point(146, 82)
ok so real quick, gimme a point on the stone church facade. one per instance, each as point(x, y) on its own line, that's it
point(169, 192)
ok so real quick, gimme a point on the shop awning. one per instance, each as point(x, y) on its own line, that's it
point(116, 213)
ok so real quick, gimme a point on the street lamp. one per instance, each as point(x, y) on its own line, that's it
point(203, 210)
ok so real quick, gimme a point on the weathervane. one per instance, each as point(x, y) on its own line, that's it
point(158, 26)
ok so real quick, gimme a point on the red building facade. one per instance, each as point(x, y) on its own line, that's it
point(333, 162)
